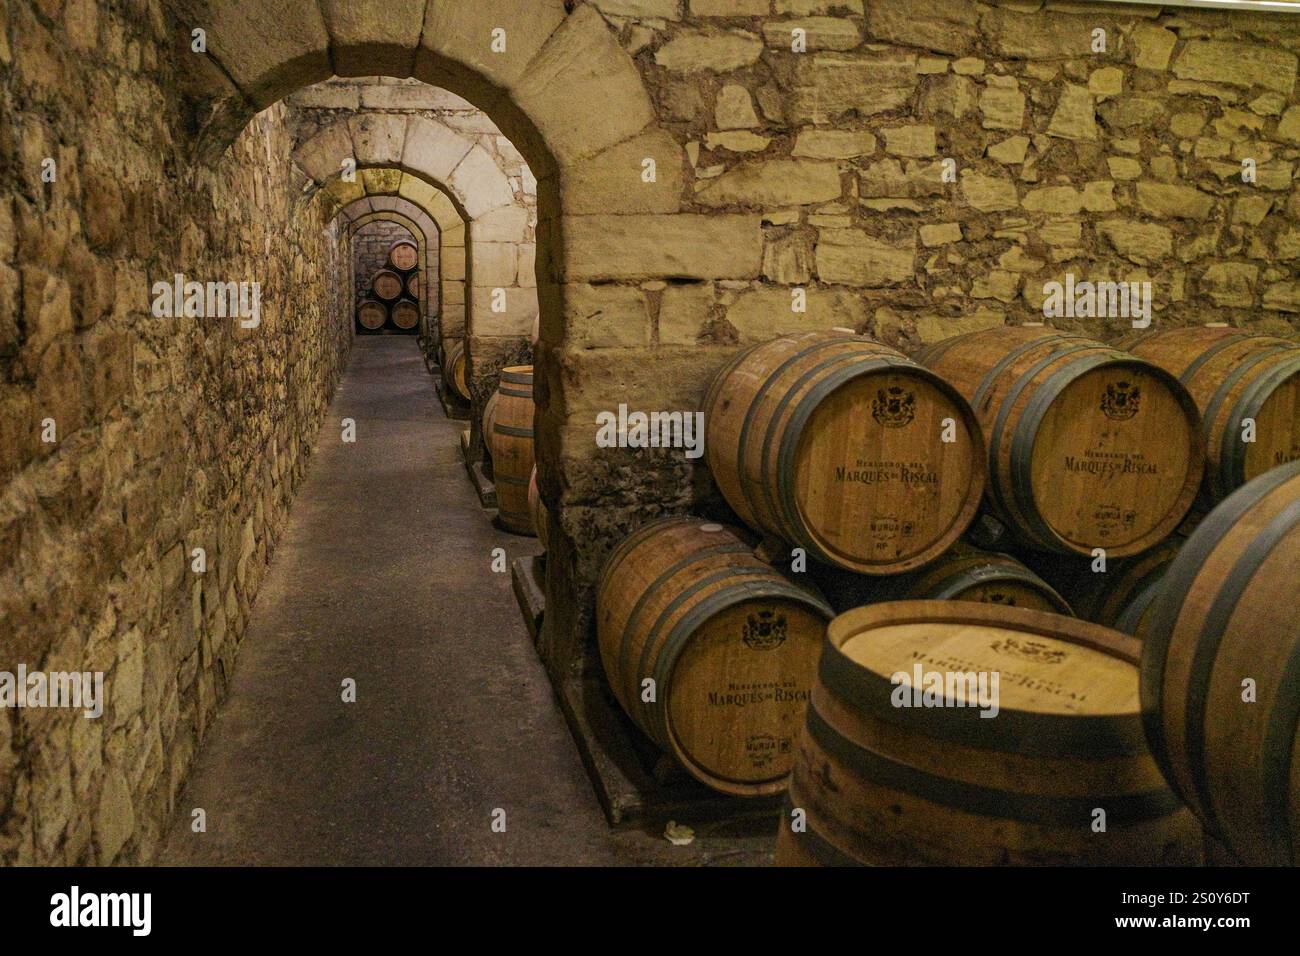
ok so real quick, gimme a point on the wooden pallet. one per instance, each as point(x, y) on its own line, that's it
point(635, 782)
point(528, 576)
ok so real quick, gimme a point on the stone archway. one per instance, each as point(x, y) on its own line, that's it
point(432, 159)
point(442, 219)
point(574, 104)
point(425, 235)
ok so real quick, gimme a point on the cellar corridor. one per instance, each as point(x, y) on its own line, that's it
point(383, 576)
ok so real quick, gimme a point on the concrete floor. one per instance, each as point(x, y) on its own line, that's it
point(383, 576)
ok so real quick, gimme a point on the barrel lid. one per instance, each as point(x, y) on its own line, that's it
point(1063, 687)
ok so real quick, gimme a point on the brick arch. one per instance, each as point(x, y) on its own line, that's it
point(423, 230)
point(575, 106)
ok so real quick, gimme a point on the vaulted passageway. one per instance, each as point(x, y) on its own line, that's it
point(384, 577)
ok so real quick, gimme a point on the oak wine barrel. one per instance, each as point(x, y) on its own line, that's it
point(964, 573)
point(835, 443)
point(386, 285)
point(455, 370)
point(406, 315)
point(1221, 671)
point(403, 255)
point(730, 645)
point(489, 415)
point(1088, 446)
point(413, 286)
point(512, 447)
point(372, 315)
point(896, 765)
point(1123, 596)
point(1234, 376)
point(537, 511)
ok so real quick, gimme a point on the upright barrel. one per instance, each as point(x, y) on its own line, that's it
point(1247, 388)
point(709, 650)
point(406, 315)
point(386, 285)
point(403, 255)
point(455, 370)
point(899, 764)
point(845, 447)
point(372, 315)
point(537, 511)
point(512, 447)
point(489, 416)
point(1221, 671)
point(1089, 447)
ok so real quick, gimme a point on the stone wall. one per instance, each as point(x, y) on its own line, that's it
point(1067, 151)
point(370, 247)
point(170, 434)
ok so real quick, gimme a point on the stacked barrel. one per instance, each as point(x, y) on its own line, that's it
point(859, 471)
point(391, 300)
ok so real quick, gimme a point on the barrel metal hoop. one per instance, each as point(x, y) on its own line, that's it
point(634, 674)
point(1042, 809)
point(685, 627)
point(1213, 627)
point(1276, 752)
point(513, 393)
point(1196, 365)
point(812, 842)
point(1232, 453)
point(1221, 393)
point(1025, 437)
point(633, 539)
point(1003, 363)
point(932, 353)
point(788, 509)
point(947, 588)
point(1004, 412)
point(733, 547)
point(511, 430)
point(1131, 617)
point(1016, 731)
point(1182, 574)
point(743, 443)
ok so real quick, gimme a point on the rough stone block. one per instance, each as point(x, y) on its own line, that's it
point(652, 247)
point(777, 182)
point(852, 257)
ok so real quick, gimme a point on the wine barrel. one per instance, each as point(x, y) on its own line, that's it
point(1221, 671)
point(537, 511)
point(965, 573)
point(403, 255)
point(372, 315)
point(1234, 376)
point(386, 285)
point(406, 315)
point(1089, 447)
point(455, 370)
point(413, 286)
point(1123, 596)
point(512, 447)
point(730, 645)
point(835, 443)
point(489, 416)
point(897, 766)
